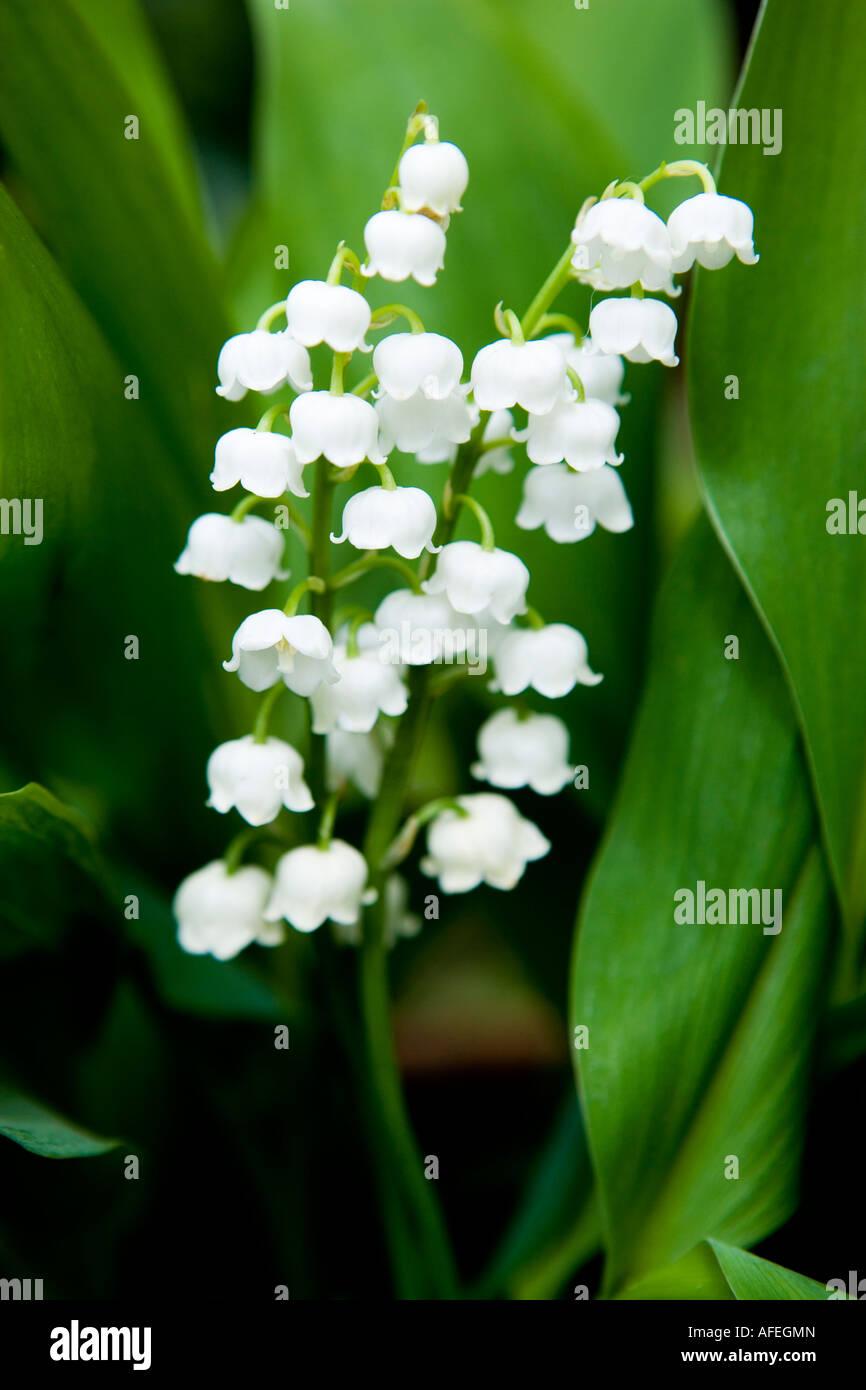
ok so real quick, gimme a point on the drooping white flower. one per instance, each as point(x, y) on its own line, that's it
point(406, 363)
point(532, 375)
point(262, 461)
point(403, 518)
point(317, 312)
point(420, 423)
point(401, 245)
point(343, 428)
point(568, 504)
point(367, 687)
point(433, 176)
point(257, 779)
point(582, 433)
point(643, 330)
point(710, 229)
point(356, 758)
point(263, 362)
point(626, 243)
point(312, 884)
point(552, 660)
point(523, 752)
point(420, 629)
point(491, 843)
point(399, 921)
point(601, 373)
point(477, 580)
point(246, 552)
point(269, 646)
point(219, 913)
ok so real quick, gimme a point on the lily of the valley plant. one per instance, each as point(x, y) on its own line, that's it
point(547, 383)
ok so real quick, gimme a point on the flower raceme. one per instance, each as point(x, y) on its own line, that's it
point(543, 396)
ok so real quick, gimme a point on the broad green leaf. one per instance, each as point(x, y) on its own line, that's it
point(549, 104)
point(695, 1276)
point(47, 867)
point(78, 712)
point(119, 28)
point(108, 206)
point(32, 1125)
point(775, 458)
point(700, 1036)
point(750, 1277)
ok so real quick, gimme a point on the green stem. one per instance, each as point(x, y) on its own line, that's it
point(312, 584)
point(370, 560)
point(268, 317)
point(322, 606)
point(245, 505)
point(488, 540)
point(329, 816)
point(260, 728)
point(680, 169)
point(553, 285)
point(388, 313)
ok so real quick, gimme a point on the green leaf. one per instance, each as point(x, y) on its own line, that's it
point(788, 328)
point(32, 1125)
point(753, 1278)
point(78, 712)
point(47, 867)
point(108, 206)
point(700, 1036)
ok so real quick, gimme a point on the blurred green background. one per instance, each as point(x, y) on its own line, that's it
point(262, 127)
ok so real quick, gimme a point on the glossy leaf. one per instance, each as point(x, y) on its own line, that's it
point(32, 1125)
point(774, 459)
point(755, 1279)
point(700, 1035)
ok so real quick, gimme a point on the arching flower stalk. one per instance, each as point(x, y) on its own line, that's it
point(368, 678)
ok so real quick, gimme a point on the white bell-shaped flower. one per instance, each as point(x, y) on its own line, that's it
point(581, 433)
point(312, 885)
point(317, 312)
point(568, 505)
point(377, 518)
point(532, 375)
point(531, 751)
point(401, 245)
point(355, 758)
point(478, 581)
point(434, 177)
point(711, 229)
point(601, 373)
point(420, 423)
point(552, 660)
point(626, 243)
point(263, 462)
point(263, 362)
point(269, 646)
point(246, 552)
point(343, 428)
point(420, 629)
point(219, 913)
point(399, 921)
point(410, 363)
point(498, 427)
point(369, 684)
point(491, 843)
point(642, 330)
point(257, 779)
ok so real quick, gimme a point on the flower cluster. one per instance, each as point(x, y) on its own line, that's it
point(544, 384)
